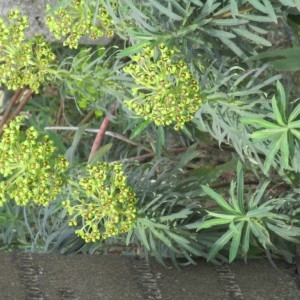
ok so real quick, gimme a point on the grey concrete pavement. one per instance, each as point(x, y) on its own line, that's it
point(27, 276)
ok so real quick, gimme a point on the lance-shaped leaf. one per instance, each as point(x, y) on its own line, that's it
point(219, 199)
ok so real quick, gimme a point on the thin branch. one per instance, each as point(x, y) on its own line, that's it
point(101, 132)
point(27, 95)
point(127, 140)
point(108, 133)
point(12, 102)
point(140, 157)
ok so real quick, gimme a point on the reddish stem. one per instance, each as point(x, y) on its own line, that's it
point(21, 104)
point(12, 102)
point(101, 133)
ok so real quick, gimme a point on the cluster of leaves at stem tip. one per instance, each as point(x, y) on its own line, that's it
point(279, 132)
point(166, 91)
point(94, 69)
point(78, 20)
point(103, 202)
point(29, 165)
point(252, 222)
point(23, 62)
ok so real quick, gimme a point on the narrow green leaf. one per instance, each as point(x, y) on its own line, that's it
point(142, 234)
point(180, 240)
point(60, 4)
point(255, 199)
point(138, 15)
point(132, 50)
point(57, 140)
point(228, 22)
point(186, 30)
point(218, 198)
point(296, 133)
point(129, 237)
point(277, 112)
point(213, 222)
point(266, 134)
point(295, 124)
point(294, 114)
point(271, 155)
point(252, 36)
point(183, 214)
point(166, 11)
point(285, 150)
point(236, 239)
point(152, 202)
point(151, 224)
point(258, 5)
point(221, 215)
point(234, 7)
point(194, 225)
point(160, 140)
point(286, 64)
point(220, 243)
point(260, 232)
point(220, 34)
point(207, 9)
point(191, 153)
point(270, 10)
point(208, 173)
point(70, 154)
point(140, 128)
point(240, 187)
point(96, 12)
point(225, 9)
point(160, 235)
point(288, 233)
point(246, 240)
point(255, 89)
point(194, 251)
point(282, 97)
point(256, 18)
point(154, 250)
point(258, 29)
point(259, 122)
point(183, 9)
point(259, 212)
point(100, 153)
point(288, 52)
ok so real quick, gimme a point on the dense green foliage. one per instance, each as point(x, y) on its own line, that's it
point(186, 97)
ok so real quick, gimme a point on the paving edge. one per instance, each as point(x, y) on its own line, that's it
point(147, 279)
point(232, 289)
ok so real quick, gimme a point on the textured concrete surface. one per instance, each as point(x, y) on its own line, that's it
point(88, 277)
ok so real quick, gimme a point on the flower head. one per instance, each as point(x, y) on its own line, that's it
point(105, 205)
point(29, 165)
point(77, 20)
point(165, 92)
point(23, 62)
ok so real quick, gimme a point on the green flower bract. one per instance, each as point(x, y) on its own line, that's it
point(103, 202)
point(30, 166)
point(165, 91)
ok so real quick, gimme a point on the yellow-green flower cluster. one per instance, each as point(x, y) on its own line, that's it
point(77, 20)
point(166, 91)
point(22, 62)
point(105, 205)
point(29, 166)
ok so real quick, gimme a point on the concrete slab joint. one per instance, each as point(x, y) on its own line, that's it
point(26, 276)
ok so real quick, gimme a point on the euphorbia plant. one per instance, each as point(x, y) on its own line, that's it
point(253, 221)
